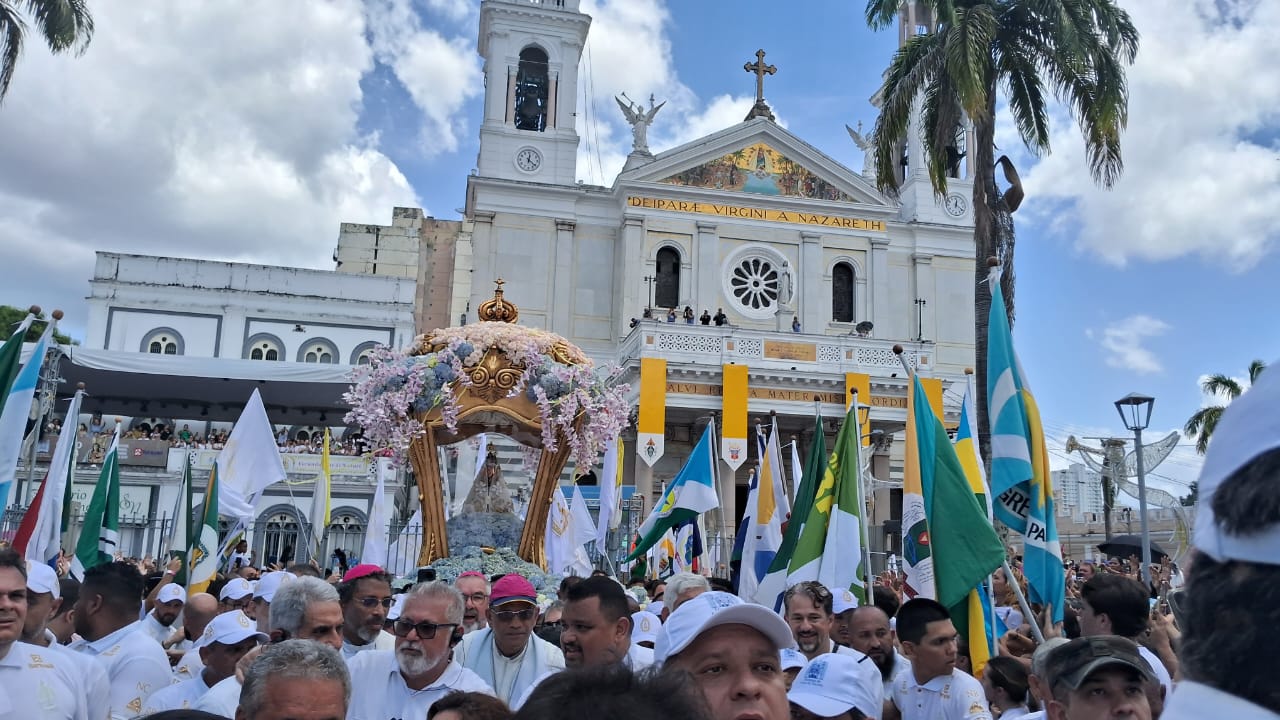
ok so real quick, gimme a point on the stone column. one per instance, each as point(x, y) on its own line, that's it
point(728, 511)
point(483, 264)
point(810, 284)
point(878, 312)
point(628, 276)
point(706, 268)
point(922, 266)
point(644, 484)
point(561, 311)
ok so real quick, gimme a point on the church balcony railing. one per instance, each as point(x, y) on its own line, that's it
point(768, 350)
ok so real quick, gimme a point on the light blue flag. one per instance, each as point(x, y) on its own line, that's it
point(1020, 479)
point(1011, 469)
point(17, 409)
point(691, 492)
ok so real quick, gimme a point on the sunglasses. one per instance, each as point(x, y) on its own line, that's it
point(526, 614)
point(426, 630)
point(374, 602)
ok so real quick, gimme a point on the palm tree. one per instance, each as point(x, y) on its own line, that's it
point(65, 25)
point(1205, 420)
point(1075, 50)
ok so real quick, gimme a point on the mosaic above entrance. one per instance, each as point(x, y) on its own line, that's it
point(759, 169)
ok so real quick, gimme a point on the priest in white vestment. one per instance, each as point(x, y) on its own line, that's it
point(507, 654)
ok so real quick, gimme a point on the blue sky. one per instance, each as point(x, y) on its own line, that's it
point(210, 133)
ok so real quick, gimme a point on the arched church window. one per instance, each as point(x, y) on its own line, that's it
point(163, 341)
point(318, 352)
point(842, 287)
point(532, 90)
point(667, 292)
point(281, 532)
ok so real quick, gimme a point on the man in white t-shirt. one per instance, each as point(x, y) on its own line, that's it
point(832, 686)
point(365, 592)
point(305, 609)
point(869, 632)
point(934, 689)
point(810, 612)
point(159, 622)
point(200, 610)
point(295, 679)
point(226, 639)
point(106, 619)
point(403, 683)
point(35, 682)
point(1117, 605)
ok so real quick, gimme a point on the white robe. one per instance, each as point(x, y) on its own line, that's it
point(509, 678)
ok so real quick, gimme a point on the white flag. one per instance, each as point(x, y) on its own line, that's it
point(375, 536)
point(46, 538)
point(559, 540)
point(249, 462)
point(610, 491)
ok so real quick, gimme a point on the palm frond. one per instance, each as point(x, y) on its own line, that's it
point(65, 24)
point(912, 68)
point(942, 116)
point(11, 31)
point(1255, 369)
point(1221, 386)
point(968, 53)
point(1202, 424)
point(1026, 99)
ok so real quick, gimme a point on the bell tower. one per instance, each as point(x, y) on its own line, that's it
point(531, 50)
point(916, 191)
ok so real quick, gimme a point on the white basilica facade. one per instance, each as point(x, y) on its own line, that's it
point(816, 273)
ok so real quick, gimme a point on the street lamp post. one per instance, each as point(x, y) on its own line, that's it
point(1135, 412)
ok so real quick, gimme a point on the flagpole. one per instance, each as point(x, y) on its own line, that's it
point(725, 523)
point(862, 497)
point(969, 386)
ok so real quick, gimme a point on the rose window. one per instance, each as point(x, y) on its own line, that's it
point(754, 282)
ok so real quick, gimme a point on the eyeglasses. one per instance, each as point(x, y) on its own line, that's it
point(374, 602)
point(426, 630)
point(526, 614)
point(477, 597)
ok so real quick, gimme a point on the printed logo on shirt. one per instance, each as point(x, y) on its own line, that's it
point(39, 662)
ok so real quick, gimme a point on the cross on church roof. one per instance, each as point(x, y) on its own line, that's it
point(759, 69)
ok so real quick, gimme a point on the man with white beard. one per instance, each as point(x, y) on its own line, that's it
point(405, 682)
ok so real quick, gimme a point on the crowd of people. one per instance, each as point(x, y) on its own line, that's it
point(292, 646)
point(95, 437)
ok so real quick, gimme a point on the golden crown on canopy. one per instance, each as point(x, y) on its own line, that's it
point(499, 309)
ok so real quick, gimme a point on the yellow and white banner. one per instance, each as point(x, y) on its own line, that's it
point(733, 437)
point(862, 383)
point(652, 424)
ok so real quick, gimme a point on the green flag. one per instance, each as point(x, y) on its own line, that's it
point(829, 548)
point(10, 356)
point(964, 547)
point(203, 551)
point(180, 535)
point(100, 534)
point(774, 583)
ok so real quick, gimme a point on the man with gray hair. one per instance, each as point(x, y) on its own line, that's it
point(683, 587)
point(295, 680)
point(1038, 678)
point(403, 683)
point(305, 609)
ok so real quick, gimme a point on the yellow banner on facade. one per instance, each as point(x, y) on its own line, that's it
point(733, 404)
point(933, 391)
point(651, 426)
point(862, 383)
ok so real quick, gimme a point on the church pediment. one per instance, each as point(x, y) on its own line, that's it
point(757, 157)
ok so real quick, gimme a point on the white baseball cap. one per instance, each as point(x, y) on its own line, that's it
point(843, 600)
point(656, 606)
point(169, 593)
point(644, 626)
point(711, 609)
point(235, 589)
point(230, 628)
point(831, 684)
point(268, 584)
point(42, 579)
point(792, 658)
point(1249, 427)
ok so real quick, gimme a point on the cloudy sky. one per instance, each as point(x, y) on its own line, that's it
point(197, 129)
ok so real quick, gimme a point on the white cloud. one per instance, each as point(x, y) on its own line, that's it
point(1124, 341)
point(194, 130)
point(439, 73)
point(1201, 170)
